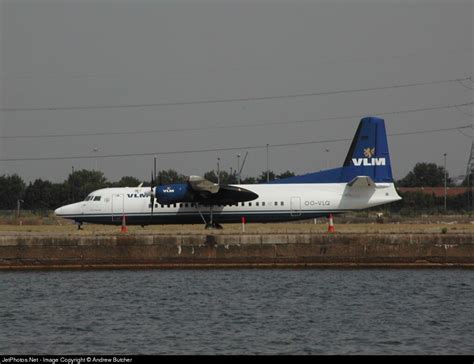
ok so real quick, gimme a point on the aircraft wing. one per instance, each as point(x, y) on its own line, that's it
point(361, 182)
point(207, 192)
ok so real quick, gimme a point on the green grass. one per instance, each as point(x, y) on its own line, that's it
point(66, 227)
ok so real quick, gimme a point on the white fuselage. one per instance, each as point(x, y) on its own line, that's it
point(276, 202)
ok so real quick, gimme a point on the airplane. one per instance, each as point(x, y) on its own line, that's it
point(364, 180)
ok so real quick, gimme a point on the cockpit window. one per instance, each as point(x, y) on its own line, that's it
point(97, 198)
point(88, 198)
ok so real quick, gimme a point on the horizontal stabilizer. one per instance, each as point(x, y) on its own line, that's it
point(361, 182)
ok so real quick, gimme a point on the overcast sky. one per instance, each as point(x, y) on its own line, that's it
point(78, 67)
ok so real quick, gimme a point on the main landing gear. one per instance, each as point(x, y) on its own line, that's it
point(209, 224)
point(213, 225)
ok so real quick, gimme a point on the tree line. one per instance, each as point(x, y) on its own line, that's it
point(43, 195)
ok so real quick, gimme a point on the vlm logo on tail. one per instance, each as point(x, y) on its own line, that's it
point(369, 161)
point(369, 152)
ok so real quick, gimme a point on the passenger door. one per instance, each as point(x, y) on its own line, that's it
point(295, 206)
point(118, 206)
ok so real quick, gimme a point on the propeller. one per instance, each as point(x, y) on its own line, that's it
point(152, 196)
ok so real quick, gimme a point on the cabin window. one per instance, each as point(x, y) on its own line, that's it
point(256, 203)
point(174, 205)
point(263, 203)
point(168, 205)
point(97, 198)
point(180, 205)
point(192, 205)
point(156, 206)
point(185, 205)
point(276, 203)
point(250, 204)
point(282, 203)
point(242, 204)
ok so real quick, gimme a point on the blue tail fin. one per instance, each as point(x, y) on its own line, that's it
point(368, 156)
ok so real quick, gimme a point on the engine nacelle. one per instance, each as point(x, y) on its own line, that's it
point(173, 193)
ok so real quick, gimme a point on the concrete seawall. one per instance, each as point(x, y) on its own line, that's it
point(115, 251)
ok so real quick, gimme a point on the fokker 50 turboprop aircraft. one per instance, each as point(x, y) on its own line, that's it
point(365, 180)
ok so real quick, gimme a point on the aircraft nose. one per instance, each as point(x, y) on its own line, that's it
point(68, 210)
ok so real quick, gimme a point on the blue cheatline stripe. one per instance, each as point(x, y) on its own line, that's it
point(207, 212)
point(216, 214)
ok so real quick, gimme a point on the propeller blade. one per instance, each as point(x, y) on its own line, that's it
point(152, 196)
point(154, 169)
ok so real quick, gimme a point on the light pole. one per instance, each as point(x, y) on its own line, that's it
point(95, 159)
point(445, 183)
point(268, 171)
point(218, 171)
point(72, 183)
point(327, 158)
point(18, 204)
point(238, 168)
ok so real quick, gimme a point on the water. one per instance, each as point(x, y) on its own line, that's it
point(237, 312)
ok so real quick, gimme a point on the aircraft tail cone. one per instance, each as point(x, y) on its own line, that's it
point(331, 228)
point(124, 228)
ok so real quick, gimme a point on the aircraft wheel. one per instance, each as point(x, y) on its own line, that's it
point(214, 226)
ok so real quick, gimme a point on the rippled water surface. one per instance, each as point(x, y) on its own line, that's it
point(237, 312)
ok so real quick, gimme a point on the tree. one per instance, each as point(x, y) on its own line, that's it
point(285, 174)
point(248, 181)
point(170, 176)
point(12, 189)
point(61, 195)
point(263, 176)
point(211, 176)
point(231, 178)
point(40, 195)
point(425, 175)
point(224, 177)
point(126, 181)
point(81, 183)
point(468, 181)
